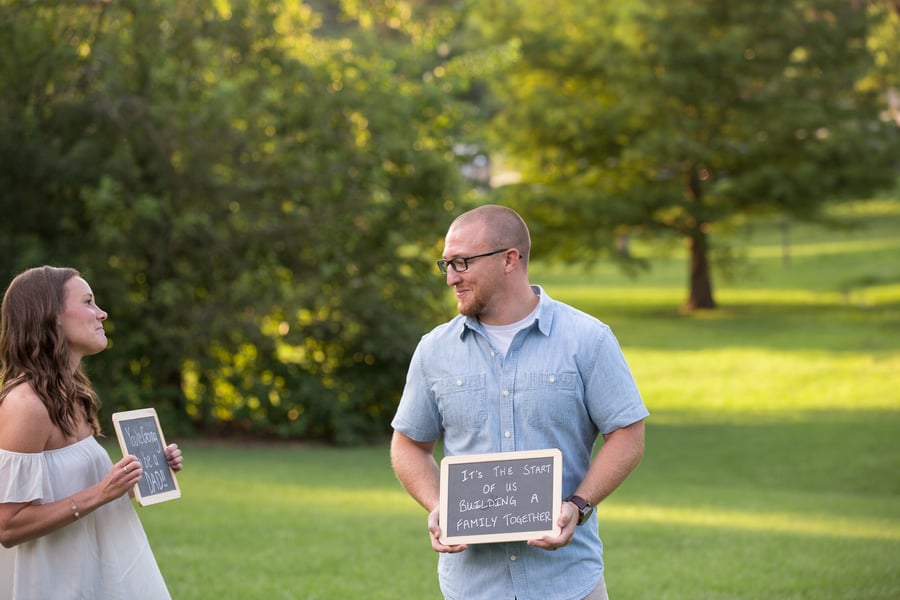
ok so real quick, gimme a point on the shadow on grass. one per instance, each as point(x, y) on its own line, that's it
point(842, 453)
point(805, 508)
point(674, 561)
point(783, 327)
point(767, 509)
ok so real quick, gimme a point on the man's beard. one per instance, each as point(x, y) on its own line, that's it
point(474, 308)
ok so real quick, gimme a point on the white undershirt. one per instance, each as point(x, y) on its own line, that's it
point(501, 336)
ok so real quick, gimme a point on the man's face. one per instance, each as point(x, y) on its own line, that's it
point(475, 287)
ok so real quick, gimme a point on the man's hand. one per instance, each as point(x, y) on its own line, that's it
point(567, 522)
point(434, 532)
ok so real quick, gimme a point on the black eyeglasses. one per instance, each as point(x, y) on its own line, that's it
point(461, 263)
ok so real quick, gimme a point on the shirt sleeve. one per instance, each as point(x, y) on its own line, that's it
point(417, 415)
point(22, 477)
point(613, 398)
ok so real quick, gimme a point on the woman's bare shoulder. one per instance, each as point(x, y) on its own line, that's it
point(25, 424)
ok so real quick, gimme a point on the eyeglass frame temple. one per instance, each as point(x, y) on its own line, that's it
point(448, 264)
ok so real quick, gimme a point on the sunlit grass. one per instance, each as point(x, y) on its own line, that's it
point(795, 523)
point(739, 383)
point(290, 522)
point(823, 248)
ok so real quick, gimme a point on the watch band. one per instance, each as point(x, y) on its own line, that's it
point(584, 508)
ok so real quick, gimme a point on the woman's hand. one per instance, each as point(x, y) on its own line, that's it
point(122, 478)
point(173, 457)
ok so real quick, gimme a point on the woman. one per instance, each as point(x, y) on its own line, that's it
point(67, 525)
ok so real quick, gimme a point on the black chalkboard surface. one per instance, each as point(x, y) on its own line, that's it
point(500, 497)
point(140, 434)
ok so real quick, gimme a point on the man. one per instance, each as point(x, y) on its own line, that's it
point(514, 371)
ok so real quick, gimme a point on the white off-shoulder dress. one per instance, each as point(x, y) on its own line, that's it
point(104, 555)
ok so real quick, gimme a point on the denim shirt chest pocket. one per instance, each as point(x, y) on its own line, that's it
point(548, 396)
point(462, 401)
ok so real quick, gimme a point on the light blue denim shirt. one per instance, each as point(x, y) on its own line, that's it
point(562, 382)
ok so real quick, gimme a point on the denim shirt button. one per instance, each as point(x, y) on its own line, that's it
point(513, 557)
point(506, 434)
point(505, 393)
point(459, 382)
point(552, 379)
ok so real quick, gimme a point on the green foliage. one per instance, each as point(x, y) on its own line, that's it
point(884, 43)
point(667, 118)
point(50, 146)
point(255, 198)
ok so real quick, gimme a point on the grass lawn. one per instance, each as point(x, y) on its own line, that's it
point(772, 467)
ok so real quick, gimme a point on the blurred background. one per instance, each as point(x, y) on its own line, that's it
point(257, 190)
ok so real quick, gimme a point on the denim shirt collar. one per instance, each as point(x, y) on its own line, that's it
point(544, 318)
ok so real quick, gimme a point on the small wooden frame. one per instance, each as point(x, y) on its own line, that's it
point(500, 497)
point(140, 434)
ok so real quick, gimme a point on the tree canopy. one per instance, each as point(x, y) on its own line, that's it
point(254, 194)
point(660, 117)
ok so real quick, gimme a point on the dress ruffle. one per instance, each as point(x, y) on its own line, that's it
point(23, 477)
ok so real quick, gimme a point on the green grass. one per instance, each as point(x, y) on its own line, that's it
point(291, 522)
point(772, 467)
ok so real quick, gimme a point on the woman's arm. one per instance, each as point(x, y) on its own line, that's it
point(25, 428)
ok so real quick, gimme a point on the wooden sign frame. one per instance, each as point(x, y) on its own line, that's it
point(148, 444)
point(495, 512)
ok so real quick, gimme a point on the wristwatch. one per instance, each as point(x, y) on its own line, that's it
point(584, 508)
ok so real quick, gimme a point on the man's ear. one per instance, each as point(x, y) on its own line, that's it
point(512, 260)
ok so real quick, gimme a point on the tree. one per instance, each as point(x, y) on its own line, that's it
point(656, 117)
point(46, 152)
point(884, 44)
point(259, 213)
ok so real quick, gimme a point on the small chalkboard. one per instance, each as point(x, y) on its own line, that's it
point(500, 497)
point(140, 434)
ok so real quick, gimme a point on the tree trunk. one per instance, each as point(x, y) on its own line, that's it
point(785, 243)
point(701, 284)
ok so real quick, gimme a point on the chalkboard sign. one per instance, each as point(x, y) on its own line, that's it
point(140, 434)
point(501, 497)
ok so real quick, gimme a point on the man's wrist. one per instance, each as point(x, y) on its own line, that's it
point(584, 508)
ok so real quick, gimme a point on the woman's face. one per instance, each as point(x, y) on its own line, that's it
point(82, 320)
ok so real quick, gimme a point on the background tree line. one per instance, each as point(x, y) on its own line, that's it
point(257, 189)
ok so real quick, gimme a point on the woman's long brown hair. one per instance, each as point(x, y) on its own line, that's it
point(33, 348)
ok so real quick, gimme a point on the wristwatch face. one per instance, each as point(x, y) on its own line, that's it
point(585, 514)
